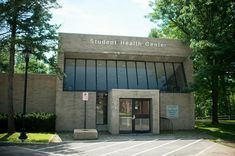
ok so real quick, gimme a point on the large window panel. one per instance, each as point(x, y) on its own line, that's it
point(122, 77)
point(80, 75)
point(151, 73)
point(104, 75)
point(171, 80)
point(112, 75)
point(90, 75)
point(69, 70)
point(179, 72)
point(132, 79)
point(141, 73)
point(101, 75)
point(101, 108)
point(161, 76)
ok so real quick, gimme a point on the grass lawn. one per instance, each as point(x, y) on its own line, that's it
point(32, 137)
point(225, 130)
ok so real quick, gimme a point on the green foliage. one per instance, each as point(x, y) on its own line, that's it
point(33, 29)
point(208, 26)
point(34, 122)
point(34, 66)
point(25, 27)
point(3, 62)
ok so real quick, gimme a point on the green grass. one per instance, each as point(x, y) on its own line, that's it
point(225, 130)
point(32, 137)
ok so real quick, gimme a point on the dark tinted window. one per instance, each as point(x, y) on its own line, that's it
point(179, 72)
point(69, 74)
point(112, 76)
point(161, 77)
point(122, 77)
point(90, 75)
point(101, 75)
point(132, 73)
point(80, 75)
point(171, 80)
point(141, 73)
point(151, 73)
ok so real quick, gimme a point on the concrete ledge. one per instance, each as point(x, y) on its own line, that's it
point(82, 134)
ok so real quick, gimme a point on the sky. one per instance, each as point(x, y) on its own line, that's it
point(106, 17)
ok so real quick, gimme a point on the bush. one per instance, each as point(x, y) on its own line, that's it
point(34, 122)
point(3, 123)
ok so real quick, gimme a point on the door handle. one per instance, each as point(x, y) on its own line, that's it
point(133, 117)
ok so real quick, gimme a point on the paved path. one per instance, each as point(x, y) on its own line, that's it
point(125, 146)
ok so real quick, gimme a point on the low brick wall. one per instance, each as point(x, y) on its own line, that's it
point(41, 93)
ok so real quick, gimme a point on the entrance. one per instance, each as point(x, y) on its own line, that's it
point(134, 115)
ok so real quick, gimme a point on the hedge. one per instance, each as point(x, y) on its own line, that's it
point(34, 122)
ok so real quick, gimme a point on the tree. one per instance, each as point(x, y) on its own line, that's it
point(34, 66)
point(209, 27)
point(25, 24)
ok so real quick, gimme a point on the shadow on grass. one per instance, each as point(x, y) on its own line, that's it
point(5, 137)
point(223, 130)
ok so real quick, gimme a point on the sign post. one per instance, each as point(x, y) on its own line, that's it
point(85, 99)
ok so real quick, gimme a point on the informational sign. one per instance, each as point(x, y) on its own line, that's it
point(172, 111)
point(85, 96)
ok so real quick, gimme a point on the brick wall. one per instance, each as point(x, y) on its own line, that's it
point(41, 93)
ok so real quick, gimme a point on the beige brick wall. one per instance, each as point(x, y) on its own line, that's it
point(70, 111)
point(41, 95)
point(185, 102)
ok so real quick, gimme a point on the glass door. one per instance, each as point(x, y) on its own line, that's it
point(141, 115)
point(134, 115)
point(125, 115)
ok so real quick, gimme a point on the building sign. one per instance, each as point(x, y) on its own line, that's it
point(85, 96)
point(132, 43)
point(172, 111)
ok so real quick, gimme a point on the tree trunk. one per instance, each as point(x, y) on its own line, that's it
point(11, 123)
point(214, 94)
point(224, 96)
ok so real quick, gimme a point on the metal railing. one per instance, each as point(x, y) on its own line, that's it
point(166, 124)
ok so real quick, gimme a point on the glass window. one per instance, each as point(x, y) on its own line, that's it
point(70, 74)
point(171, 81)
point(142, 107)
point(90, 75)
point(161, 77)
point(101, 75)
point(132, 79)
point(121, 70)
point(125, 114)
point(141, 73)
point(80, 75)
point(101, 108)
point(112, 76)
point(151, 73)
point(179, 72)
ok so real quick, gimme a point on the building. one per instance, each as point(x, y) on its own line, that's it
point(132, 83)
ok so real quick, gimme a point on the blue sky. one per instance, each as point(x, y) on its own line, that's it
point(108, 17)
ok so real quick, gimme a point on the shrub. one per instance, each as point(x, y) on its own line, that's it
point(3, 123)
point(34, 122)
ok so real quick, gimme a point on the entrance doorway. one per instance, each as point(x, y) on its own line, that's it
point(134, 115)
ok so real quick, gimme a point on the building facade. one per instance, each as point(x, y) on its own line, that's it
point(123, 84)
